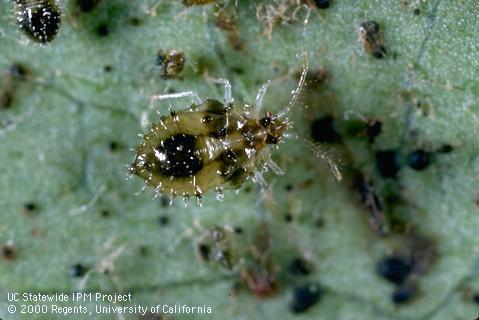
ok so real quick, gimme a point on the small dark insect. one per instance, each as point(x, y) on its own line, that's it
point(190, 3)
point(38, 19)
point(304, 297)
point(171, 63)
point(388, 163)
point(371, 39)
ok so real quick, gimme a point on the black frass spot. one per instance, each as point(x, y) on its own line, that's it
point(144, 250)
point(445, 148)
point(204, 251)
point(373, 129)
point(87, 5)
point(134, 21)
point(105, 213)
point(163, 220)
point(19, 72)
point(103, 30)
point(30, 207)
point(299, 267)
point(475, 297)
point(113, 146)
point(403, 294)
point(238, 230)
point(288, 217)
point(304, 297)
point(379, 52)
point(322, 4)
point(9, 252)
point(324, 130)
point(388, 163)
point(6, 99)
point(77, 270)
point(394, 269)
point(419, 159)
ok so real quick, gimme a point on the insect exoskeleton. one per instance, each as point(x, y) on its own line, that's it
point(212, 145)
point(38, 19)
point(371, 39)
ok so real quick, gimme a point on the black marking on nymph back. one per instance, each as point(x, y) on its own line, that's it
point(215, 124)
point(177, 156)
point(221, 133)
point(214, 106)
point(270, 139)
point(265, 121)
point(229, 162)
point(249, 134)
point(238, 177)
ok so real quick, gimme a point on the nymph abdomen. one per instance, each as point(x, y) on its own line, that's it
point(191, 152)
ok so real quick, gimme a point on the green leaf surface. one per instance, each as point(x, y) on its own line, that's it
point(55, 152)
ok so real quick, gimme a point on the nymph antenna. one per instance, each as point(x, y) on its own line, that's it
point(299, 87)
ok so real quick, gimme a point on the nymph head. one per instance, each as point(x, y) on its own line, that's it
point(274, 126)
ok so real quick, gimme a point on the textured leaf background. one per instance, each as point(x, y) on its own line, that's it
point(55, 152)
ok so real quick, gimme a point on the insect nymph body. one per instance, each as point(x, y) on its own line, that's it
point(210, 146)
point(38, 19)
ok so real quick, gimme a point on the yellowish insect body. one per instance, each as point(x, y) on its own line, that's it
point(210, 146)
